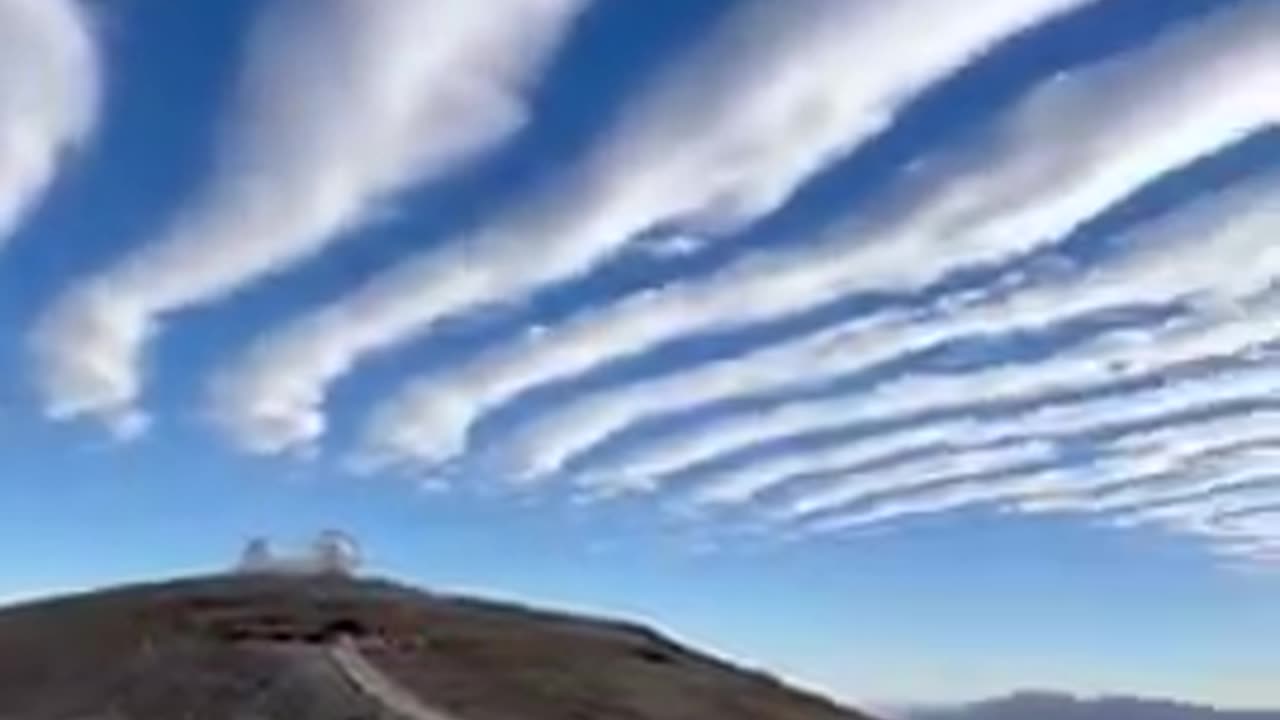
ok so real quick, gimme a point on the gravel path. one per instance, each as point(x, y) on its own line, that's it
point(376, 685)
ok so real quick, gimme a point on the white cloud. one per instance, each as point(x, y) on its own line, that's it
point(1034, 488)
point(341, 103)
point(915, 502)
point(677, 245)
point(741, 484)
point(984, 391)
point(940, 467)
point(1230, 511)
point(1218, 247)
point(1171, 461)
point(1235, 493)
point(781, 91)
point(1145, 478)
point(1074, 148)
point(49, 95)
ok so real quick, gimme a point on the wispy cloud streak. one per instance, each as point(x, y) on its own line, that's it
point(1068, 152)
point(1137, 466)
point(936, 468)
point(49, 96)
point(1225, 466)
point(1212, 252)
point(341, 103)
point(982, 394)
point(1241, 507)
point(780, 92)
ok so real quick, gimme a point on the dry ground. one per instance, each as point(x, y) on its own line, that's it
point(258, 649)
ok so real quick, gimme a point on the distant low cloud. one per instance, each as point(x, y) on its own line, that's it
point(341, 103)
point(49, 88)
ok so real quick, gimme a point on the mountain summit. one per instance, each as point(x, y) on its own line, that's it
point(330, 647)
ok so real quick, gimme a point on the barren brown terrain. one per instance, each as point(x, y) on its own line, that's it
point(275, 648)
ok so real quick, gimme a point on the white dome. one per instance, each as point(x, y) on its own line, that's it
point(336, 552)
point(332, 552)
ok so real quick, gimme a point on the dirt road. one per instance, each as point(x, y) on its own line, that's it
point(377, 686)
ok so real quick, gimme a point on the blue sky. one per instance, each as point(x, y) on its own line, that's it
point(912, 370)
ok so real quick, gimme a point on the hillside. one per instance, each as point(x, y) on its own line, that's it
point(267, 648)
